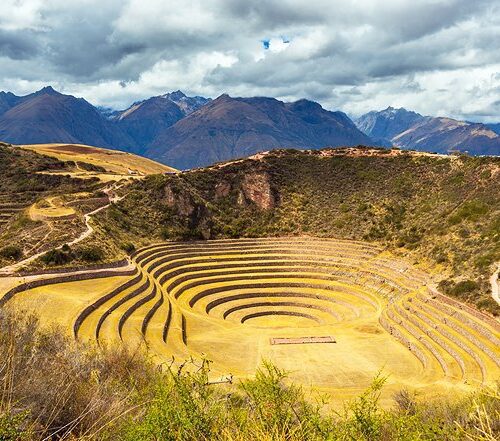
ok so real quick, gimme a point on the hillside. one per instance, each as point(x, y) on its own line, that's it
point(410, 130)
point(46, 191)
point(29, 180)
point(229, 128)
point(440, 211)
point(114, 162)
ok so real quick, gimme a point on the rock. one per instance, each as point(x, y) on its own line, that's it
point(222, 189)
point(182, 203)
point(257, 189)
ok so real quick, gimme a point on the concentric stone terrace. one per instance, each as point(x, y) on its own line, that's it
point(230, 299)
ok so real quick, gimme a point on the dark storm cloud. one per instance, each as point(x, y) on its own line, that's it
point(271, 15)
point(114, 52)
point(18, 45)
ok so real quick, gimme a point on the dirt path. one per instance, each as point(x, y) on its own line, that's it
point(44, 238)
point(495, 285)
point(11, 269)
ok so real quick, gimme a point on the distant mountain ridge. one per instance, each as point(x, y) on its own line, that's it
point(187, 132)
point(230, 127)
point(144, 120)
point(495, 127)
point(179, 130)
point(49, 116)
point(386, 124)
point(410, 130)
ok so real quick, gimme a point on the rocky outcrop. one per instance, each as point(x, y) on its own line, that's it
point(222, 190)
point(256, 188)
point(178, 200)
point(189, 208)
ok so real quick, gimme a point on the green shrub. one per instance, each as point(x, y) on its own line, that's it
point(471, 210)
point(13, 252)
point(91, 253)
point(484, 261)
point(488, 304)
point(57, 257)
point(183, 408)
point(128, 247)
point(13, 426)
point(364, 418)
point(281, 408)
point(53, 389)
point(464, 287)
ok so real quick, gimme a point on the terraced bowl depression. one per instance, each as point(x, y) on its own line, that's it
point(332, 312)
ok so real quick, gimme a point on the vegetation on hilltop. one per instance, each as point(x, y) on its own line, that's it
point(19, 171)
point(53, 389)
point(443, 211)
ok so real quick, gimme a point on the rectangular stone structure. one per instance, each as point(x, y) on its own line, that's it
point(301, 340)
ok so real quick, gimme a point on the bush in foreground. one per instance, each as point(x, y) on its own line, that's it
point(54, 389)
point(51, 388)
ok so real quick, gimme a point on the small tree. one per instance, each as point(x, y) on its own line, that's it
point(11, 252)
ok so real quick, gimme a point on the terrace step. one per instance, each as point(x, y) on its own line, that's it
point(475, 364)
point(305, 282)
point(447, 347)
point(411, 336)
point(477, 339)
point(360, 274)
point(109, 324)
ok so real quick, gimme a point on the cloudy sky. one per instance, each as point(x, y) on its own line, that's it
point(438, 57)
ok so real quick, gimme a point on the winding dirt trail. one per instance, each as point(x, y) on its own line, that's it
point(12, 269)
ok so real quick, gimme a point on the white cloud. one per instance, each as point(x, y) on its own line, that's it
point(357, 55)
point(458, 94)
point(165, 75)
point(277, 45)
point(20, 15)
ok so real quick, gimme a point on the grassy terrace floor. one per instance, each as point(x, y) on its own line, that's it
point(227, 299)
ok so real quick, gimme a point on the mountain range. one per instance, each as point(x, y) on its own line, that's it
point(235, 127)
point(410, 130)
point(187, 132)
point(145, 120)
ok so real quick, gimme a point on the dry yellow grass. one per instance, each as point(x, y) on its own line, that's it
point(119, 164)
point(226, 300)
point(59, 304)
